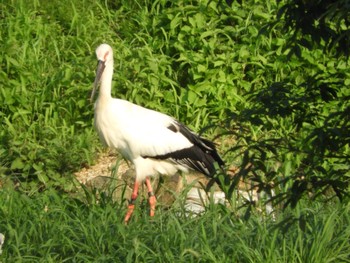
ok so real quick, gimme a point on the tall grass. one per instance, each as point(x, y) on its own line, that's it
point(54, 227)
point(46, 119)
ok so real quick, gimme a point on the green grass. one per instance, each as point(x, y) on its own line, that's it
point(284, 118)
point(54, 227)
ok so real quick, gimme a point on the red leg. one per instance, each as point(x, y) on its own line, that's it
point(132, 202)
point(151, 197)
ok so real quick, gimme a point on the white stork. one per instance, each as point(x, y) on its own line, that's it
point(154, 142)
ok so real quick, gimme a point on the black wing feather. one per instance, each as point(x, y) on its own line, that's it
point(200, 157)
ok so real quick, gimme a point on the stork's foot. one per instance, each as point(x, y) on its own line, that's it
point(132, 202)
point(151, 197)
point(129, 213)
point(152, 203)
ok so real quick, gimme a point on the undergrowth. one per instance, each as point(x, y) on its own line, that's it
point(54, 227)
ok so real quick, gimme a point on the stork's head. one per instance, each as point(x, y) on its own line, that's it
point(104, 54)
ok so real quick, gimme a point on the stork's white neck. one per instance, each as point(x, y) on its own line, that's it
point(106, 81)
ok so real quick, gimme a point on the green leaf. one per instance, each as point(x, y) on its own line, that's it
point(43, 178)
point(175, 22)
point(17, 164)
point(222, 77)
point(202, 68)
point(218, 63)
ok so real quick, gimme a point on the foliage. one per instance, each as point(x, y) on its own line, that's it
point(322, 23)
point(62, 228)
point(296, 139)
point(45, 116)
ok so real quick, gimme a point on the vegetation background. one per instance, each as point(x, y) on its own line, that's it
point(269, 80)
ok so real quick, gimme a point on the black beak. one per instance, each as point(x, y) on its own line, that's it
point(100, 68)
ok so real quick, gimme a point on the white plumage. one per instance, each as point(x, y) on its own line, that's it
point(154, 142)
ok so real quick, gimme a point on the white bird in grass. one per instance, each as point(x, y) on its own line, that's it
point(154, 142)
